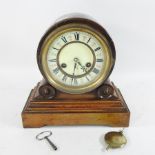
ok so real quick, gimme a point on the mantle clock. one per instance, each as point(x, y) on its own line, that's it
point(76, 56)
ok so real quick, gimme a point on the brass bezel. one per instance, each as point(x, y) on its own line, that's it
point(109, 61)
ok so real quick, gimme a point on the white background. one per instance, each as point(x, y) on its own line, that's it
point(131, 24)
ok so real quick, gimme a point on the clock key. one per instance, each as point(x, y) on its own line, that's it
point(44, 136)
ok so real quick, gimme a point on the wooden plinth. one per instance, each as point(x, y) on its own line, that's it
point(67, 109)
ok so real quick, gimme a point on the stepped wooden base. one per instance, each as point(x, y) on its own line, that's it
point(66, 109)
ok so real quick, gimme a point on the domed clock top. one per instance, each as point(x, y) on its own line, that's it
point(76, 55)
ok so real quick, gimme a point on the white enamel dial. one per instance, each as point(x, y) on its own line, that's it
point(75, 58)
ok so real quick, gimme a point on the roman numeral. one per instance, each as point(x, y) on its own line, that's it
point(95, 70)
point(64, 39)
point(64, 78)
point(88, 40)
point(76, 35)
point(99, 60)
point(74, 80)
point(52, 60)
point(56, 70)
point(98, 48)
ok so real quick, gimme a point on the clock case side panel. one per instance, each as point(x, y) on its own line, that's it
point(79, 20)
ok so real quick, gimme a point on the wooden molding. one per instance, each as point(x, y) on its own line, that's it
point(69, 109)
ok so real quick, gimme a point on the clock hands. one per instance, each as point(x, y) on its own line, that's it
point(73, 78)
point(74, 68)
point(79, 63)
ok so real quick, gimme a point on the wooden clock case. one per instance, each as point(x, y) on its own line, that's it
point(104, 106)
point(48, 106)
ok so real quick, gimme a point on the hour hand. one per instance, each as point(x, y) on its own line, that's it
point(82, 67)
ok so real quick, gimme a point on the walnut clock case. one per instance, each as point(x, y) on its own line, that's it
point(76, 56)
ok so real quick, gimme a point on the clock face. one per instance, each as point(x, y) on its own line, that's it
point(75, 58)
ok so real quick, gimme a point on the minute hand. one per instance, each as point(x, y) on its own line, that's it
point(74, 68)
